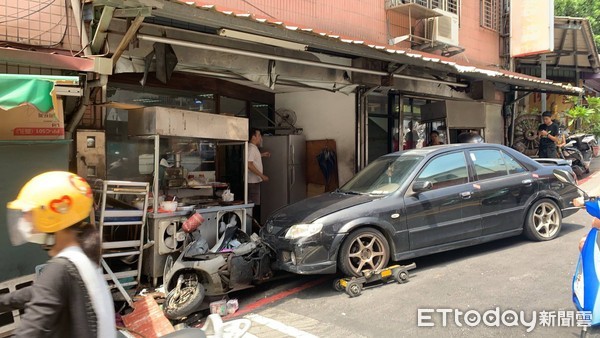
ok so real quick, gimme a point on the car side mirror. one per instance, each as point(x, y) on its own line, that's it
point(420, 186)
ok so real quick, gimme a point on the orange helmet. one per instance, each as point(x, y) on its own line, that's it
point(54, 201)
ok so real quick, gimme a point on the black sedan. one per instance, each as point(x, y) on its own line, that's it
point(418, 202)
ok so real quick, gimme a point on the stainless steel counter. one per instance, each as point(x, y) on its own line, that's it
point(169, 214)
point(201, 209)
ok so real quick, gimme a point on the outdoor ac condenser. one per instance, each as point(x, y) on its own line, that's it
point(442, 29)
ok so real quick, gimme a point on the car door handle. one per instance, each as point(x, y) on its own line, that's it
point(465, 194)
point(527, 181)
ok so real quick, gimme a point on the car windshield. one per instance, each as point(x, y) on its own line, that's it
point(383, 176)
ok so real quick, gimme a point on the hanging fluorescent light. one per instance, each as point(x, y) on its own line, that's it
point(261, 39)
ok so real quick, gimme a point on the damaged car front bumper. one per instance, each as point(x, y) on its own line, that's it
point(316, 254)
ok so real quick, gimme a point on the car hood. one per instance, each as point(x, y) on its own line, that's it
point(313, 208)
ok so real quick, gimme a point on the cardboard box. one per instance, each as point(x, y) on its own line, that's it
point(26, 122)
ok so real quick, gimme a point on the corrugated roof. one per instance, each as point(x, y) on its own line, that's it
point(457, 67)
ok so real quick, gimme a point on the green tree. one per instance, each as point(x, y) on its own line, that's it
point(585, 114)
point(589, 9)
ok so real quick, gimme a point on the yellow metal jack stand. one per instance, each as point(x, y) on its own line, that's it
point(353, 285)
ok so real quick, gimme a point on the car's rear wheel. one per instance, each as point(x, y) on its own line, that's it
point(364, 249)
point(544, 220)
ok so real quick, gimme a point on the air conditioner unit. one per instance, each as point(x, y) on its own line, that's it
point(443, 29)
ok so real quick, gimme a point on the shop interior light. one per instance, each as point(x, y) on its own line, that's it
point(261, 39)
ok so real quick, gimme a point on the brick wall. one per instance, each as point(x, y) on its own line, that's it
point(367, 20)
point(482, 44)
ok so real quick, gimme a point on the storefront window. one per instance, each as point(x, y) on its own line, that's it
point(413, 130)
point(206, 103)
point(149, 96)
point(439, 127)
point(129, 159)
point(233, 107)
point(260, 116)
point(380, 133)
point(394, 123)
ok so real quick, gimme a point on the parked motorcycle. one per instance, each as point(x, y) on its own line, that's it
point(585, 143)
point(578, 163)
point(236, 262)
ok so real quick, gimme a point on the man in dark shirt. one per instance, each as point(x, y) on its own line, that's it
point(548, 134)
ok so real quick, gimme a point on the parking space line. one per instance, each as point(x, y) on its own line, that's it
point(279, 326)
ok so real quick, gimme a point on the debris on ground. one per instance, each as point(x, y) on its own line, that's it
point(147, 319)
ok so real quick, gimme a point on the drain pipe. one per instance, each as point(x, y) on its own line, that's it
point(102, 81)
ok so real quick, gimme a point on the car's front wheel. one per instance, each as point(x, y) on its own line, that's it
point(364, 249)
point(544, 220)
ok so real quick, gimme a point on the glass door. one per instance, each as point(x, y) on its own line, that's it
point(382, 131)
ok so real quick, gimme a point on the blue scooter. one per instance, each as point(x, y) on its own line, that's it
point(586, 280)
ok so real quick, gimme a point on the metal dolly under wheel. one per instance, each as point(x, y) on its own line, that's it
point(353, 285)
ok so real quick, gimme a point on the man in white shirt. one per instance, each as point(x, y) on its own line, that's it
point(255, 170)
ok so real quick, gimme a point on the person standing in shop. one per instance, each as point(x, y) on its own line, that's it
point(70, 298)
point(255, 170)
point(434, 138)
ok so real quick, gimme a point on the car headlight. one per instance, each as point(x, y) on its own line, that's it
point(303, 230)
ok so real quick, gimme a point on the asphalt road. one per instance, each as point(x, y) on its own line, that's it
point(495, 281)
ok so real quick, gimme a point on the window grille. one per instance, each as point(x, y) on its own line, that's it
point(490, 14)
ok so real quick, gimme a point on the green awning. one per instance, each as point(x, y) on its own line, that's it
point(18, 89)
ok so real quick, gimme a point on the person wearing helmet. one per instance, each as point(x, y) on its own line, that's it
point(70, 298)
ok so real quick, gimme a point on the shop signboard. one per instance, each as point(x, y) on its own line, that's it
point(531, 27)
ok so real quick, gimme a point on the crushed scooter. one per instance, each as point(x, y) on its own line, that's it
point(237, 261)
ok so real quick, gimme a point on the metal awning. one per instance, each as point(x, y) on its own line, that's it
point(210, 16)
point(48, 59)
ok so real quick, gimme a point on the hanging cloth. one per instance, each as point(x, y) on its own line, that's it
point(327, 160)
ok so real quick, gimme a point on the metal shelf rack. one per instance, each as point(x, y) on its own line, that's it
point(127, 244)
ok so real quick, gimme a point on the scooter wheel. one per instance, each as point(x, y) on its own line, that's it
point(353, 289)
point(337, 285)
point(183, 301)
